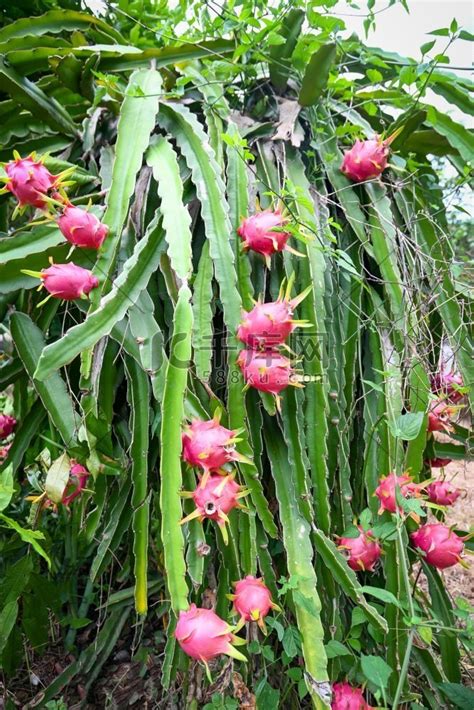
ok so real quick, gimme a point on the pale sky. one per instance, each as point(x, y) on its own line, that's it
point(398, 31)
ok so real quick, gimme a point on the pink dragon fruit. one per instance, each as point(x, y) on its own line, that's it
point(437, 462)
point(439, 416)
point(267, 371)
point(67, 281)
point(30, 181)
point(346, 697)
point(78, 476)
point(215, 499)
point(75, 486)
point(203, 635)
point(4, 452)
point(269, 324)
point(366, 159)
point(258, 233)
point(82, 228)
point(209, 445)
point(441, 546)
point(442, 492)
point(448, 384)
point(252, 600)
point(7, 425)
point(363, 551)
point(385, 491)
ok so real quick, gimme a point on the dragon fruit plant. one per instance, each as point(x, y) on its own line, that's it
point(169, 312)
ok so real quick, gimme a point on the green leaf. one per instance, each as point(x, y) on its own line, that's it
point(336, 648)
point(202, 315)
point(57, 21)
point(407, 426)
point(460, 695)
point(176, 219)
point(30, 96)
point(8, 616)
point(281, 54)
point(57, 478)
point(139, 397)
point(136, 122)
point(299, 552)
point(29, 241)
point(316, 74)
point(290, 641)
point(458, 136)
point(170, 463)
point(382, 594)
point(6, 487)
point(425, 48)
point(56, 399)
point(31, 537)
point(376, 670)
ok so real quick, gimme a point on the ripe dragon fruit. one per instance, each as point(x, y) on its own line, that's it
point(203, 635)
point(448, 384)
point(346, 697)
point(439, 416)
point(363, 551)
point(437, 462)
point(209, 445)
point(442, 492)
point(267, 371)
point(441, 546)
point(7, 425)
point(269, 324)
point(29, 181)
point(82, 228)
point(366, 159)
point(258, 233)
point(252, 600)
point(66, 281)
point(215, 499)
point(385, 491)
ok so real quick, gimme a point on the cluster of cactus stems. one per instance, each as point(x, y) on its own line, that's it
point(210, 447)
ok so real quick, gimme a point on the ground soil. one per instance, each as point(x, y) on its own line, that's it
point(460, 581)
